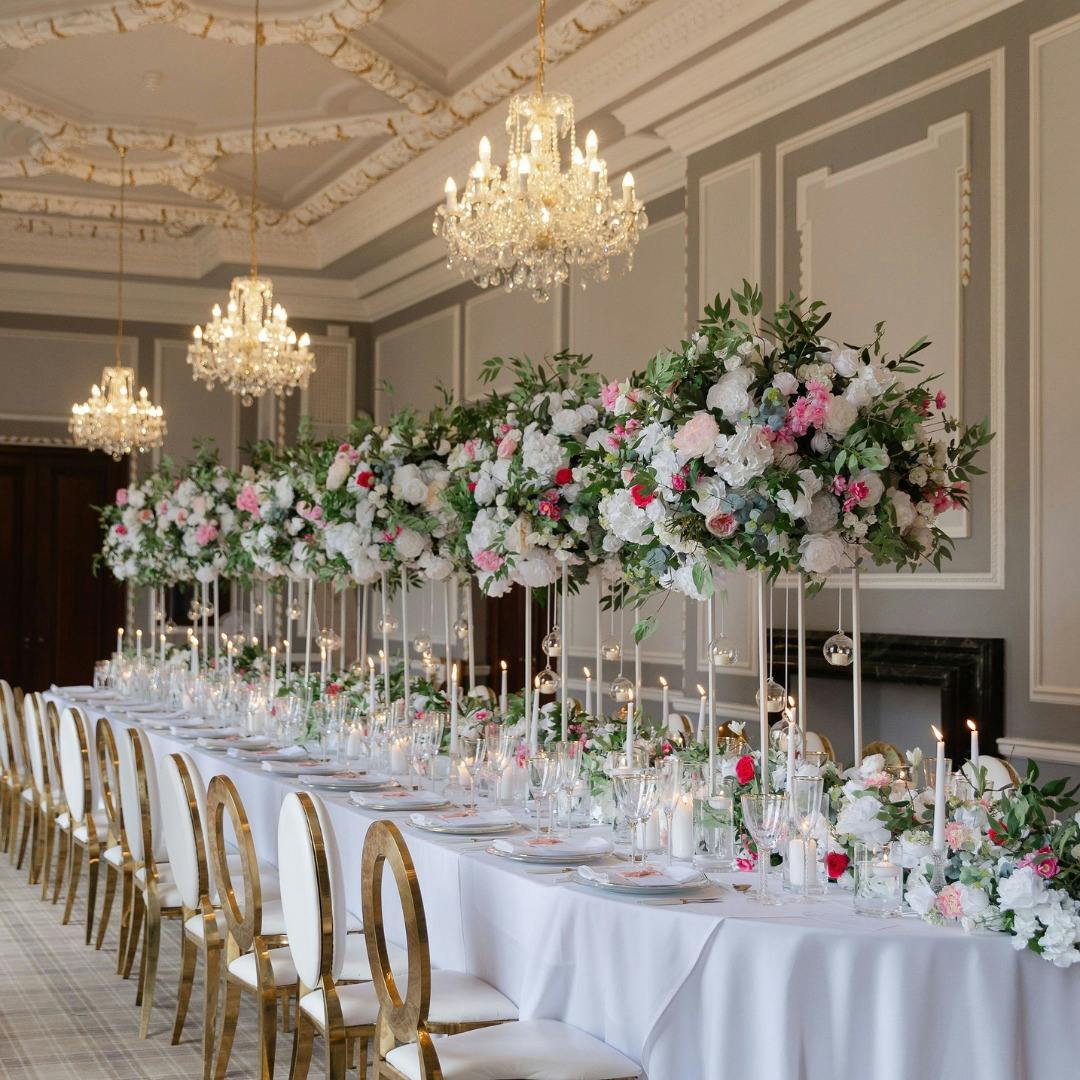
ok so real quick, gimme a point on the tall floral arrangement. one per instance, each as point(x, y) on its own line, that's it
point(132, 548)
point(200, 513)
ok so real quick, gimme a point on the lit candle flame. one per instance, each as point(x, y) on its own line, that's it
point(701, 690)
point(663, 682)
point(937, 734)
point(971, 725)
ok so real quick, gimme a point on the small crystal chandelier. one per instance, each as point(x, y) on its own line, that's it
point(113, 419)
point(526, 228)
point(251, 350)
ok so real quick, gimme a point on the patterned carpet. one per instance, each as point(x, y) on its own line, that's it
point(66, 1015)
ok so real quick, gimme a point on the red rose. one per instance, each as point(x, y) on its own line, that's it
point(564, 475)
point(365, 478)
point(836, 862)
point(744, 769)
point(471, 486)
point(640, 496)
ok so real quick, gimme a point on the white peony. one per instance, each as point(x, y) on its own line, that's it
point(409, 484)
point(620, 516)
point(731, 394)
point(567, 422)
point(338, 473)
point(283, 492)
point(1021, 891)
point(435, 567)
point(858, 818)
point(741, 457)
point(842, 414)
point(821, 553)
point(535, 571)
point(845, 361)
point(408, 544)
point(682, 580)
point(541, 453)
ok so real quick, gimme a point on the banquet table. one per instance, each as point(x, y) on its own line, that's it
point(718, 991)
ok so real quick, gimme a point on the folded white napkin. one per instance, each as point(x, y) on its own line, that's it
point(293, 766)
point(268, 753)
point(397, 798)
point(462, 818)
point(554, 847)
point(644, 877)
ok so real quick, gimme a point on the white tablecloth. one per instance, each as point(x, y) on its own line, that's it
point(720, 991)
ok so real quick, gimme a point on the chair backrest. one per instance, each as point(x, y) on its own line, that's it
point(35, 744)
point(817, 743)
point(7, 718)
point(405, 1017)
point(75, 767)
point(51, 726)
point(108, 765)
point(184, 837)
point(312, 892)
point(244, 922)
point(139, 802)
point(887, 750)
point(678, 724)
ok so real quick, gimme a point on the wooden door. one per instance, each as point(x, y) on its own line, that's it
point(59, 616)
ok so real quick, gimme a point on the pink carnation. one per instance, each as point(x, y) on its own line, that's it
point(121, 497)
point(609, 394)
point(248, 500)
point(950, 902)
point(206, 533)
point(488, 561)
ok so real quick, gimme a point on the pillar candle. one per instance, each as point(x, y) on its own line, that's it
point(802, 857)
point(503, 693)
point(682, 828)
point(939, 794)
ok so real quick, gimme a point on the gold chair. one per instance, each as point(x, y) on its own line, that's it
point(156, 896)
point(890, 753)
point(117, 857)
point(28, 796)
point(43, 809)
point(255, 959)
point(550, 1048)
point(88, 827)
point(58, 824)
point(12, 771)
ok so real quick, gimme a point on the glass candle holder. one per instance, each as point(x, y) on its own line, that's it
point(714, 826)
point(879, 880)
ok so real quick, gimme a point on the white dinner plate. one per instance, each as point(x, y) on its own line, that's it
point(339, 781)
point(674, 879)
point(402, 801)
point(527, 849)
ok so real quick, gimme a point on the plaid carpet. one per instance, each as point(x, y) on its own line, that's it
point(66, 1015)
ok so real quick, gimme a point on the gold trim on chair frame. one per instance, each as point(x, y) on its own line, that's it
point(30, 812)
point(11, 784)
point(244, 932)
point(108, 762)
point(91, 844)
point(59, 807)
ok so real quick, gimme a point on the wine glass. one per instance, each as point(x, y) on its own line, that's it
point(669, 788)
point(471, 758)
point(764, 817)
point(804, 807)
point(569, 754)
point(636, 794)
point(543, 784)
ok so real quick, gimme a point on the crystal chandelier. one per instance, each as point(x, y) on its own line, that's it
point(113, 419)
point(527, 227)
point(251, 350)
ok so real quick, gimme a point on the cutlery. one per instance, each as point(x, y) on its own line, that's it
point(671, 901)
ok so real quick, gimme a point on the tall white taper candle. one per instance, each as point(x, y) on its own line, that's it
point(856, 667)
point(800, 611)
point(763, 681)
point(307, 634)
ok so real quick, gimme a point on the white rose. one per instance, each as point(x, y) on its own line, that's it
point(409, 484)
point(845, 361)
point(820, 443)
point(337, 474)
point(821, 553)
point(824, 513)
point(731, 394)
point(786, 382)
point(1021, 891)
point(904, 511)
point(408, 544)
point(842, 414)
point(566, 422)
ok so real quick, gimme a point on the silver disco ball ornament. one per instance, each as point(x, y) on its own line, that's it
point(611, 649)
point(422, 643)
point(552, 643)
point(723, 653)
point(388, 624)
point(775, 696)
point(839, 650)
point(547, 681)
point(621, 689)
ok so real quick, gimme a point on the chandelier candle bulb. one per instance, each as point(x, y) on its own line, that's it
point(700, 733)
point(939, 794)
point(971, 726)
point(450, 189)
point(523, 170)
point(485, 151)
point(594, 175)
point(592, 145)
point(628, 190)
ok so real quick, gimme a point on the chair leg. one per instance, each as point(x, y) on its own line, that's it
point(361, 1058)
point(5, 815)
point(267, 1032)
point(73, 881)
point(111, 874)
point(189, 955)
point(134, 926)
point(212, 985)
point(27, 814)
point(63, 854)
point(151, 950)
point(336, 1054)
point(49, 826)
point(127, 908)
point(93, 865)
point(36, 838)
point(229, 1014)
point(303, 1038)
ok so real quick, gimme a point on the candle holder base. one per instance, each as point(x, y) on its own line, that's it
point(937, 877)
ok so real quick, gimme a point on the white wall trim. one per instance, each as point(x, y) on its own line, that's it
point(455, 358)
point(751, 164)
point(1038, 690)
point(1051, 750)
point(994, 64)
point(350, 386)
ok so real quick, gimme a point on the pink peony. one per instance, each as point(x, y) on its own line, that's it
point(641, 497)
point(507, 447)
point(697, 435)
point(856, 492)
point(121, 496)
point(950, 902)
point(488, 561)
point(248, 500)
point(721, 524)
point(609, 394)
point(206, 533)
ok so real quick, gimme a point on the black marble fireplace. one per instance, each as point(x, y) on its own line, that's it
point(969, 673)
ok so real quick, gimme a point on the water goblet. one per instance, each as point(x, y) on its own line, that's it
point(543, 784)
point(636, 795)
point(569, 754)
point(764, 818)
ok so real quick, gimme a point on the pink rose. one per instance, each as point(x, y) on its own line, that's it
point(721, 524)
point(145, 516)
point(950, 902)
point(121, 497)
point(641, 497)
point(121, 530)
point(507, 447)
point(697, 435)
point(206, 533)
point(488, 561)
point(248, 500)
point(1047, 867)
point(940, 400)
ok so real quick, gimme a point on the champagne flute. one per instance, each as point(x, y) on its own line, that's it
point(543, 781)
point(569, 754)
point(764, 817)
point(804, 807)
point(636, 794)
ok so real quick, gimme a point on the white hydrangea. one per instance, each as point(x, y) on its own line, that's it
point(541, 453)
point(731, 395)
point(742, 456)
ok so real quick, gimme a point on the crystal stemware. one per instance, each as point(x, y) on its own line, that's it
point(569, 754)
point(543, 784)
point(804, 808)
point(764, 818)
point(636, 794)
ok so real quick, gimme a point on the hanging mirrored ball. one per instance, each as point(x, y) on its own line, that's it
point(839, 650)
point(776, 697)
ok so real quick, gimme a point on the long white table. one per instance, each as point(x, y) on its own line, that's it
point(717, 991)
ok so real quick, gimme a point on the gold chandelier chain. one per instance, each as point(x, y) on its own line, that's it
point(254, 146)
point(120, 261)
point(541, 48)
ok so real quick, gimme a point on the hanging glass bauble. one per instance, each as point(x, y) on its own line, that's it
point(547, 681)
point(194, 610)
point(776, 696)
point(170, 627)
point(388, 624)
point(839, 650)
point(552, 642)
point(207, 609)
point(239, 640)
point(621, 689)
point(461, 628)
point(357, 669)
point(258, 607)
point(329, 639)
point(611, 649)
point(294, 611)
point(159, 616)
point(723, 653)
point(422, 643)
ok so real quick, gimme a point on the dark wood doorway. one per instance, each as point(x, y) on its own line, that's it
point(59, 617)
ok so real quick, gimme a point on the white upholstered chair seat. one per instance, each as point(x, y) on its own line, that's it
point(114, 855)
point(455, 999)
point(281, 966)
point(528, 1050)
point(167, 891)
point(358, 966)
point(101, 823)
point(196, 926)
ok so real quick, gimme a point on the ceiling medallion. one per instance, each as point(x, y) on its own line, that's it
point(112, 419)
point(251, 350)
point(525, 228)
